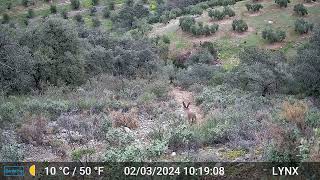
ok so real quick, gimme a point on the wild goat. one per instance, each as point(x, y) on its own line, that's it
point(191, 116)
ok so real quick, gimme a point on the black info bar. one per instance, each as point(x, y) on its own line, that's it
point(159, 170)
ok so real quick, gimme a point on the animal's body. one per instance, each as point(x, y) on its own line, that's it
point(192, 118)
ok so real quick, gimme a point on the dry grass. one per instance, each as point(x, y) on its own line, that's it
point(295, 113)
point(33, 130)
point(128, 119)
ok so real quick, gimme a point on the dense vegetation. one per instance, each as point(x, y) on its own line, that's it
point(93, 84)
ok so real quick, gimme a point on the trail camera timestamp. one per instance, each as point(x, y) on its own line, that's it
point(172, 171)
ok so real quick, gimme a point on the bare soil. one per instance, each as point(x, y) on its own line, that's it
point(181, 95)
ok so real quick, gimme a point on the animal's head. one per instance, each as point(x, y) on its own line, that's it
point(186, 107)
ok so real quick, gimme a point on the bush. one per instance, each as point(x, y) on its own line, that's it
point(111, 4)
point(17, 63)
point(216, 14)
point(239, 25)
point(93, 11)
point(189, 24)
point(282, 3)
point(51, 107)
point(186, 23)
point(75, 4)
point(166, 39)
point(273, 35)
point(25, 3)
point(64, 14)
point(53, 9)
point(78, 18)
point(202, 57)
point(96, 22)
point(95, 2)
point(82, 155)
point(228, 11)
point(11, 153)
point(301, 26)
point(32, 132)
point(253, 7)
point(196, 74)
point(8, 113)
point(183, 139)
point(300, 9)
point(5, 18)
point(106, 12)
point(30, 14)
point(118, 137)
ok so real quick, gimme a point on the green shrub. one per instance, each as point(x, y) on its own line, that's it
point(93, 11)
point(106, 12)
point(78, 18)
point(159, 88)
point(136, 152)
point(182, 139)
point(11, 153)
point(300, 9)
point(111, 4)
point(95, 2)
point(216, 14)
point(196, 10)
point(30, 14)
point(9, 5)
point(195, 74)
point(82, 155)
point(5, 18)
point(186, 23)
point(228, 11)
point(25, 3)
point(64, 14)
point(313, 118)
point(53, 9)
point(282, 3)
point(273, 35)
point(8, 112)
point(202, 57)
point(51, 107)
point(166, 39)
point(117, 137)
point(301, 26)
point(239, 25)
point(213, 131)
point(75, 4)
point(253, 7)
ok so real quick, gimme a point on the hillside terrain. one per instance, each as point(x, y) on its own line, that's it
point(123, 80)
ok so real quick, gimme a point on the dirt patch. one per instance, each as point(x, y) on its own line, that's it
point(311, 4)
point(276, 45)
point(253, 14)
point(160, 28)
point(181, 95)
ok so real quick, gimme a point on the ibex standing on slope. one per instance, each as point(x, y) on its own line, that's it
point(191, 116)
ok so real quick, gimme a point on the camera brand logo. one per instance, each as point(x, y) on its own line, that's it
point(13, 171)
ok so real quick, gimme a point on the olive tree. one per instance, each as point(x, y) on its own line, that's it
point(301, 26)
point(239, 25)
point(300, 9)
point(282, 3)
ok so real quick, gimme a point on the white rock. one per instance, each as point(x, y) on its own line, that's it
point(127, 130)
point(173, 154)
point(270, 22)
